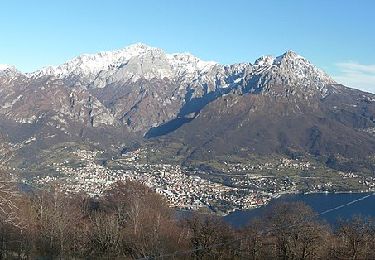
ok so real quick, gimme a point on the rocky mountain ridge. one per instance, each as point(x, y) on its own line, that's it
point(189, 81)
point(142, 91)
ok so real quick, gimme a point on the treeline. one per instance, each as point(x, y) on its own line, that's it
point(132, 222)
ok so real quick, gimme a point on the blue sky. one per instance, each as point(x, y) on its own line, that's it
point(336, 35)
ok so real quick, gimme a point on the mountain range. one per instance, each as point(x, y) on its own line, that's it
point(142, 95)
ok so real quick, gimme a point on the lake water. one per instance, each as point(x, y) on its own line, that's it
point(320, 202)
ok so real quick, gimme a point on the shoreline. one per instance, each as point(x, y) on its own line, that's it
point(321, 202)
point(272, 198)
point(279, 195)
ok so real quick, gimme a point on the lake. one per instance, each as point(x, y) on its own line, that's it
point(354, 203)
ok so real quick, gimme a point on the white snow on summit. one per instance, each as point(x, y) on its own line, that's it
point(291, 62)
point(266, 60)
point(293, 67)
point(138, 59)
point(87, 64)
point(6, 67)
point(189, 62)
point(8, 71)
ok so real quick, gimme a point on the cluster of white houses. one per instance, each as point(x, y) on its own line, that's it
point(181, 188)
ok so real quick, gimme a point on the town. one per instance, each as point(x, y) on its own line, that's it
point(184, 188)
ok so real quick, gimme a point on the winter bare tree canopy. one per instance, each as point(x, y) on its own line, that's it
point(131, 221)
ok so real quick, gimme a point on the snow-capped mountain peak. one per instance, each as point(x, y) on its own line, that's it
point(138, 60)
point(293, 68)
point(6, 67)
point(89, 64)
point(266, 60)
point(291, 55)
point(8, 70)
point(292, 63)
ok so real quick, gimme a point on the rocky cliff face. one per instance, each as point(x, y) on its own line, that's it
point(29, 101)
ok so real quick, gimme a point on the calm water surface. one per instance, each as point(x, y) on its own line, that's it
point(320, 203)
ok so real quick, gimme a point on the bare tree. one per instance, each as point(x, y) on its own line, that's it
point(255, 244)
point(147, 225)
point(54, 220)
point(11, 224)
point(211, 238)
point(9, 195)
point(355, 239)
point(296, 231)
